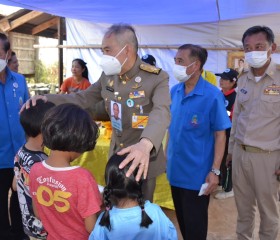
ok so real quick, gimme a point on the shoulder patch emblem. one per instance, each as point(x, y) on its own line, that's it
point(150, 68)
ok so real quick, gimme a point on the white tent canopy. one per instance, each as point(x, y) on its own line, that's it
point(160, 25)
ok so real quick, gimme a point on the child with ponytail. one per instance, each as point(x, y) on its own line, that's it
point(127, 215)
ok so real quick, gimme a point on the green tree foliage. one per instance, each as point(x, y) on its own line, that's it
point(46, 74)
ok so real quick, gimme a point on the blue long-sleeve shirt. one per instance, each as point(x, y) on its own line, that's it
point(13, 94)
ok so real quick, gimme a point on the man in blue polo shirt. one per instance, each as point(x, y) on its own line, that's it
point(196, 141)
point(13, 93)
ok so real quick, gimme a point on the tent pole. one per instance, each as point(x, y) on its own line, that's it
point(60, 50)
point(140, 46)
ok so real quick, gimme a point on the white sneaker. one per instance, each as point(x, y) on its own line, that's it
point(224, 195)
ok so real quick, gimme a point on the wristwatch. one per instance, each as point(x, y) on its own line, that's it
point(217, 172)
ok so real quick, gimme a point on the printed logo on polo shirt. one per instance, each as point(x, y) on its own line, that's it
point(20, 101)
point(194, 121)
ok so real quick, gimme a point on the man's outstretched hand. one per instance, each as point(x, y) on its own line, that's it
point(139, 153)
point(33, 101)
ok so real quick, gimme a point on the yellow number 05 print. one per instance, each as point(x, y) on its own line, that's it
point(53, 198)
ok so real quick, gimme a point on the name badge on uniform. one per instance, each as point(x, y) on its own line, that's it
point(110, 84)
point(116, 115)
point(243, 91)
point(137, 94)
point(272, 90)
point(110, 89)
point(139, 121)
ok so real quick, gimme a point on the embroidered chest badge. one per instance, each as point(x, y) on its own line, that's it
point(20, 101)
point(272, 90)
point(194, 121)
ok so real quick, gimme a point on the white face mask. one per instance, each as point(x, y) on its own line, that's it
point(3, 63)
point(111, 65)
point(180, 72)
point(256, 59)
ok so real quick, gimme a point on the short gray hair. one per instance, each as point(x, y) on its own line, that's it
point(124, 33)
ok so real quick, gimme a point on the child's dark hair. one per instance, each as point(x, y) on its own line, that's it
point(118, 187)
point(83, 64)
point(31, 118)
point(69, 128)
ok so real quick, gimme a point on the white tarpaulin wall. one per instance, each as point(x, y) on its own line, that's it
point(161, 40)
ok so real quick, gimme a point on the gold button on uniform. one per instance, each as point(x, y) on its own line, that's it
point(121, 145)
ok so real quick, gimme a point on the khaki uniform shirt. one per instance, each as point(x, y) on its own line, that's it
point(155, 104)
point(256, 116)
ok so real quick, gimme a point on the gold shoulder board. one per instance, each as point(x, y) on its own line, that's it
point(150, 68)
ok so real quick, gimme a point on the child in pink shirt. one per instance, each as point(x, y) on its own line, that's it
point(66, 198)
